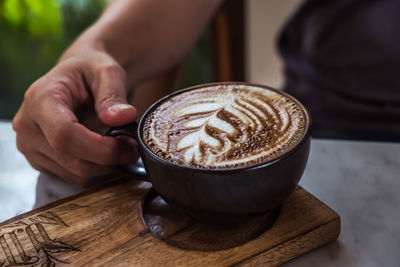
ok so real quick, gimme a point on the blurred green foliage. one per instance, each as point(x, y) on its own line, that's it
point(33, 34)
point(38, 17)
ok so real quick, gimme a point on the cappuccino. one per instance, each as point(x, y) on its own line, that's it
point(224, 126)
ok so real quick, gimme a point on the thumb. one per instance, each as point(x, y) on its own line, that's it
point(110, 96)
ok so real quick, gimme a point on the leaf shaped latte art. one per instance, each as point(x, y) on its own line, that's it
point(198, 138)
point(224, 126)
point(249, 115)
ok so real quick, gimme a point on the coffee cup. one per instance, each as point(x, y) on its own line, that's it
point(205, 184)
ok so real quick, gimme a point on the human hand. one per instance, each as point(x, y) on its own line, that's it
point(49, 124)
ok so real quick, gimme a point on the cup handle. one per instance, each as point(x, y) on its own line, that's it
point(129, 130)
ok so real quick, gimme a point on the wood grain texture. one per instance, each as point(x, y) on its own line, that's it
point(183, 231)
point(105, 228)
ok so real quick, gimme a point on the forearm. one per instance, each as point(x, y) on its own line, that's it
point(148, 36)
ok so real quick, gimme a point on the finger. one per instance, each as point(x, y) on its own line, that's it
point(43, 163)
point(36, 144)
point(68, 137)
point(43, 158)
point(109, 92)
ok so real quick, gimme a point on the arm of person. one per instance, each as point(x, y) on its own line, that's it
point(132, 41)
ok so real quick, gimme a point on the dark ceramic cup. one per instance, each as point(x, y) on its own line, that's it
point(222, 194)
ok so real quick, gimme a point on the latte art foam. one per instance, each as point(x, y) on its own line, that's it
point(224, 126)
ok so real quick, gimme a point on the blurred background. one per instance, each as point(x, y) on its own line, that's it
point(34, 33)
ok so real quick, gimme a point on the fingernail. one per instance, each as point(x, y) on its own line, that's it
point(119, 107)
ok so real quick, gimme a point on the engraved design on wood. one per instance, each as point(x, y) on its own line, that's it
point(30, 235)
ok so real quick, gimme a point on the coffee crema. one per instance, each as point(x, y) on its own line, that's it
point(224, 126)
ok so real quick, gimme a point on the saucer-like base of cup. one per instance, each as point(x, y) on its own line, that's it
point(183, 231)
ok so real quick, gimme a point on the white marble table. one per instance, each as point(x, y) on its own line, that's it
point(359, 180)
point(17, 178)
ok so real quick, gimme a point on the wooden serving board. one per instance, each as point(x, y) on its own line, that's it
point(104, 227)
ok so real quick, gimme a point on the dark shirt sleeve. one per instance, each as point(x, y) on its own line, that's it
point(342, 60)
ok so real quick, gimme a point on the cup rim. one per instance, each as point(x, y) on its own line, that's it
point(306, 135)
